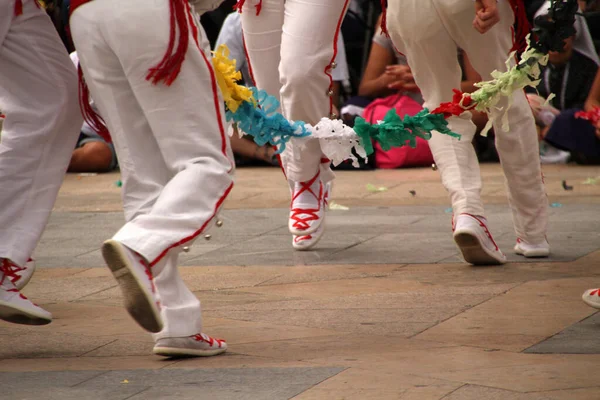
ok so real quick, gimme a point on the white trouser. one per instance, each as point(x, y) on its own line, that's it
point(38, 94)
point(429, 32)
point(174, 154)
point(291, 46)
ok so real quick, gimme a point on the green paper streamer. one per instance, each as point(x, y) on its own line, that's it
point(395, 131)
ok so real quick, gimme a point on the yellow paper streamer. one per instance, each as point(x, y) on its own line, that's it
point(234, 94)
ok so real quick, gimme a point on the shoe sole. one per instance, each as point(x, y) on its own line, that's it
point(590, 303)
point(473, 251)
point(10, 313)
point(138, 302)
point(177, 352)
point(533, 253)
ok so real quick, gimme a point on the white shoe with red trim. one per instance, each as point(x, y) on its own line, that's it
point(532, 250)
point(20, 276)
point(475, 241)
point(134, 276)
point(307, 242)
point(14, 306)
point(592, 298)
point(306, 210)
point(200, 345)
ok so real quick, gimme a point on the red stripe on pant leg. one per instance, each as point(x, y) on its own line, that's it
point(18, 7)
point(217, 102)
point(199, 231)
point(335, 51)
point(192, 21)
point(248, 59)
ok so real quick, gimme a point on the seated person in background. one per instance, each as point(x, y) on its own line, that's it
point(245, 150)
point(92, 153)
point(582, 138)
point(387, 73)
point(589, 5)
point(591, 12)
point(569, 75)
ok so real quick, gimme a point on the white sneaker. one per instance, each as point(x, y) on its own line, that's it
point(307, 242)
point(134, 276)
point(306, 209)
point(199, 345)
point(20, 276)
point(14, 306)
point(475, 241)
point(592, 298)
point(532, 250)
point(551, 155)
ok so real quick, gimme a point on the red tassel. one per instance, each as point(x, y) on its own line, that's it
point(18, 7)
point(522, 26)
point(89, 115)
point(384, 29)
point(238, 6)
point(169, 67)
point(258, 7)
point(454, 107)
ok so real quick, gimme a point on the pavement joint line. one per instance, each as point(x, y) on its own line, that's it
point(468, 309)
point(79, 272)
point(399, 268)
point(562, 389)
point(419, 219)
point(285, 340)
point(99, 291)
point(95, 249)
point(558, 333)
point(263, 283)
point(359, 242)
point(448, 394)
point(91, 378)
point(99, 347)
point(318, 383)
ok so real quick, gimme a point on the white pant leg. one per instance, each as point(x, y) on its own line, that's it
point(262, 40)
point(180, 308)
point(176, 155)
point(295, 43)
point(417, 30)
point(519, 147)
point(38, 94)
point(310, 31)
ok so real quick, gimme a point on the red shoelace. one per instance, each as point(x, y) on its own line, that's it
point(10, 270)
point(201, 337)
point(308, 214)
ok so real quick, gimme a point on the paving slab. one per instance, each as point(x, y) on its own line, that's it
point(366, 235)
point(383, 308)
point(582, 337)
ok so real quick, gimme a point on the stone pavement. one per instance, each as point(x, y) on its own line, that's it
point(382, 309)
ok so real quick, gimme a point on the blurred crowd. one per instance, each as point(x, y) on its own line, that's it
point(373, 77)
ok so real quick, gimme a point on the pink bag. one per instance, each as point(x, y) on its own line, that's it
point(400, 157)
